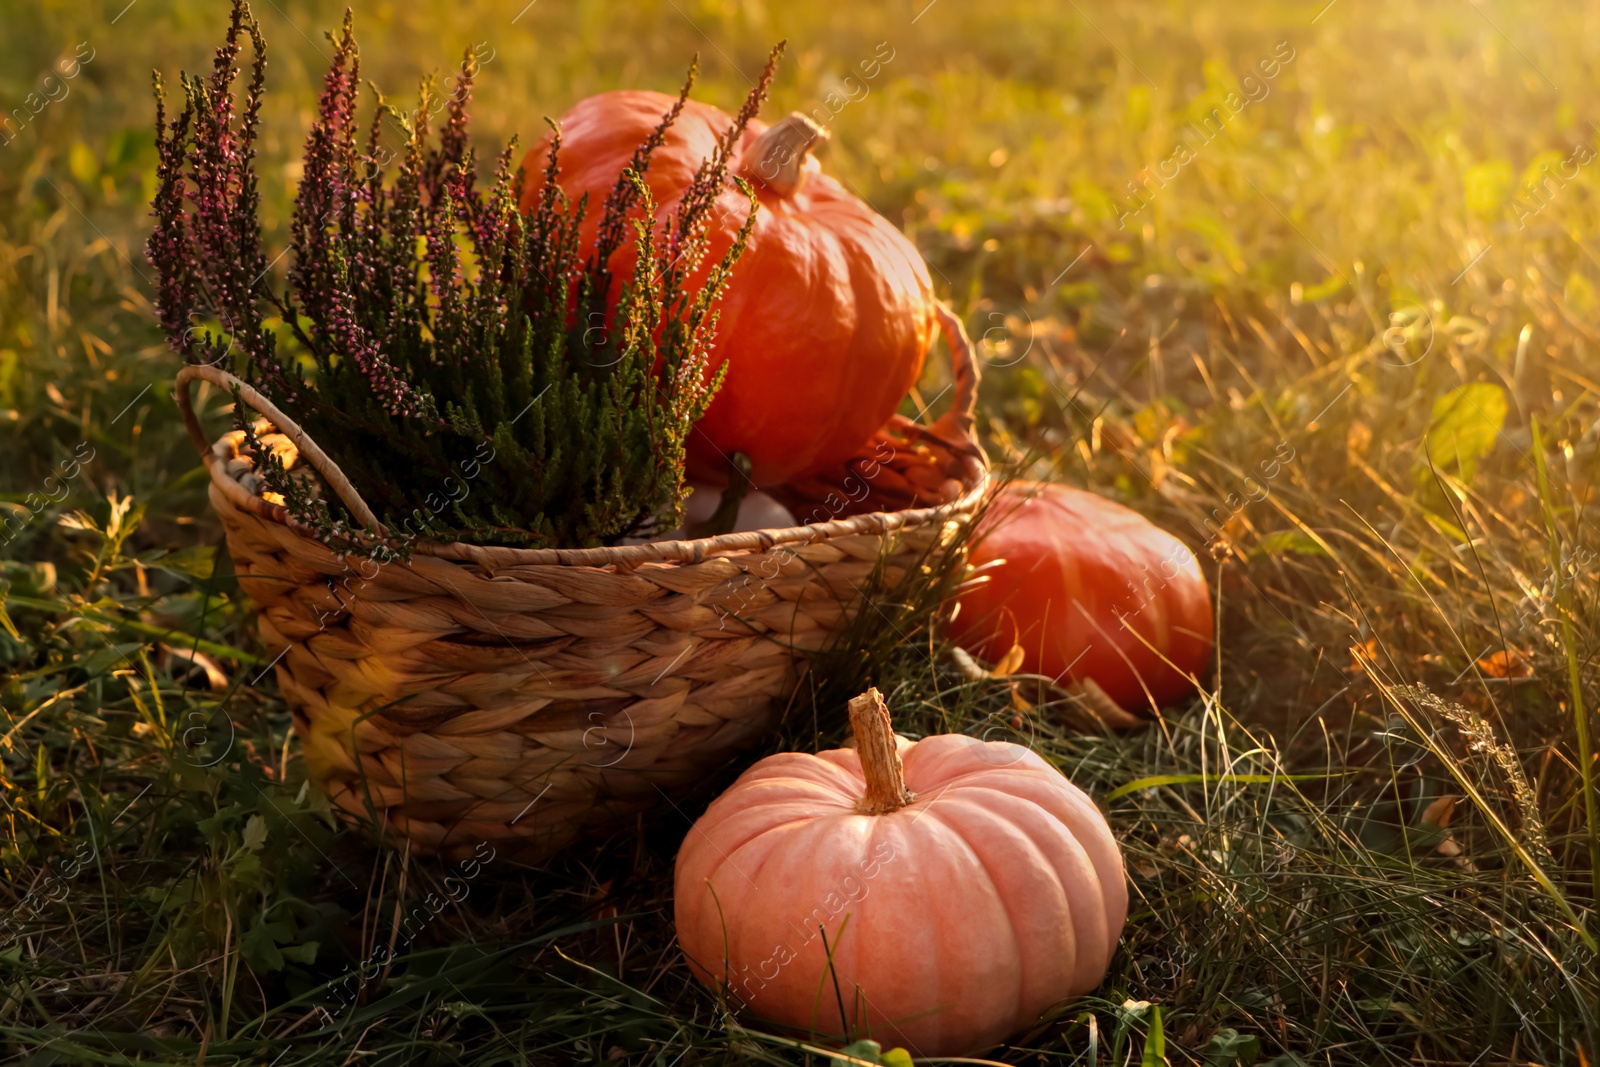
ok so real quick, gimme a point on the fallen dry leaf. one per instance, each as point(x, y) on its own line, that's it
point(216, 680)
point(970, 668)
point(1010, 663)
point(1509, 663)
point(1438, 813)
point(1102, 707)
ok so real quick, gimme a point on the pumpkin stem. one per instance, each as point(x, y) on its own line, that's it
point(777, 158)
point(880, 756)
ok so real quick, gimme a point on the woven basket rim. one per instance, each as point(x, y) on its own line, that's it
point(690, 551)
point(954, 430)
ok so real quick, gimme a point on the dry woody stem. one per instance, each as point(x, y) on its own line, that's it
point(777, 158)
point(880, 756)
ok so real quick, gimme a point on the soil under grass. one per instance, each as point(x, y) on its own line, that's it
point(1343, 343)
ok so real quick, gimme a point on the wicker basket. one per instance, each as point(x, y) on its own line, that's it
point(516, 696)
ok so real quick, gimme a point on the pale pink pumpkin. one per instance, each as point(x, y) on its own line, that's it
point(963, 886)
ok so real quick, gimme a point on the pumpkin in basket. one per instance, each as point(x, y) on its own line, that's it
point(1090, 591)
point(952, 889)
point(830, 310)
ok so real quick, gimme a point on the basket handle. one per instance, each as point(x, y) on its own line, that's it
point(964, 371)
point(283, 423)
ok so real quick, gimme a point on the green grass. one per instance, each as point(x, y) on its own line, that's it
point(1351, 272)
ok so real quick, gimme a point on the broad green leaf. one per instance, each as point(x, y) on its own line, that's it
point(1284, 542)
point(864, 1049)
point(306, 953)
point(82, 163)
point(1488, 185)
point(1229, 1048)
point(1155, 1041)
point(220, 820)
point(260, 945)
point(1465, 423)
point(173, 897)
point(197, 561)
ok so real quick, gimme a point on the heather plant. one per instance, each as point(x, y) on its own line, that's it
point(474, 373)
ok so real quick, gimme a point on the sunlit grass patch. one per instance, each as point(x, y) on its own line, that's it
point(1346, 351)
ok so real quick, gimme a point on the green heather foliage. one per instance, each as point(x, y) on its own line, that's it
point(472, 371)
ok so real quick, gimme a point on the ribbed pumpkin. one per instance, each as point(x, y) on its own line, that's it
point(829, 313)
point(961, 887)
point(1090, 590)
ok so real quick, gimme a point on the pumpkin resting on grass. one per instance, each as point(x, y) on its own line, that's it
point(829, 312)
point(1082, 583)
point(961, 886)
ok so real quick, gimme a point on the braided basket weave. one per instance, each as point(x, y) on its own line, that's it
point(517, 696)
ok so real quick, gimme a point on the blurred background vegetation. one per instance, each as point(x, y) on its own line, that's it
point(1384, 266)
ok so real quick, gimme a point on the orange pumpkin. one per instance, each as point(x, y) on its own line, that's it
point(829, 312)
point(1090, 590)
point(941, 893)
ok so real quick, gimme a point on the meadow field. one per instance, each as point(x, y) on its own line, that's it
point(1315, 285)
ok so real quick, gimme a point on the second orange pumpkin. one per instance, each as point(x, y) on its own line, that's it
point(1090, 590)
point(829, 312)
